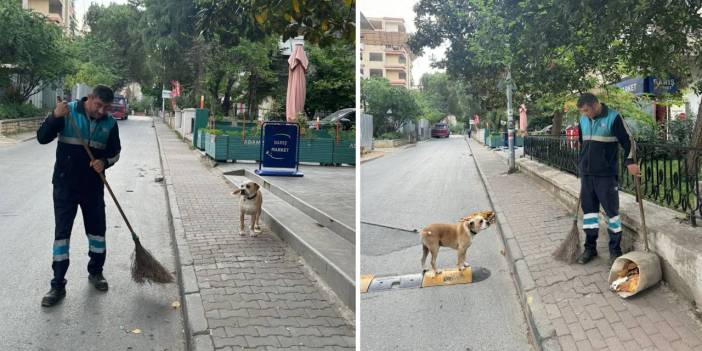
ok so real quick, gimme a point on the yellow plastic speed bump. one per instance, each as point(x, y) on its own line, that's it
point(366, 281)
point(448, 277)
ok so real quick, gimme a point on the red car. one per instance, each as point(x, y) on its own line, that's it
point(118, 109)
point(440, 130)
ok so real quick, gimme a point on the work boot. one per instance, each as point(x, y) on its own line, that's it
point(53, 297)
point(586, 257)
point(98, 281)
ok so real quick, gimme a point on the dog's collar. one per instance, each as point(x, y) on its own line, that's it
point(472, 232)
point(251, 198)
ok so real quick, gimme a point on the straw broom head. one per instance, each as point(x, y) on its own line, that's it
point(146, 269)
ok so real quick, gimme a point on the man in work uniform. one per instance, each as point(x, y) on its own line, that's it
point(77, 183)
point(601, 129)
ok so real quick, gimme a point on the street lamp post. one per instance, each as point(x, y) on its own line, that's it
point(510, 122)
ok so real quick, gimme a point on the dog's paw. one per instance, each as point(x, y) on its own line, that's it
point(257, 230)
point(253, 234)
point(242, 232)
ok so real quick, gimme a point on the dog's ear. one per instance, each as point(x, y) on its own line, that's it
point(256, 187)
point(237, 191)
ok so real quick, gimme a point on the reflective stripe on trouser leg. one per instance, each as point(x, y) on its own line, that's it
point(591, 208)
point(60, 251)
point(96, 243)
point(97, 251)
point(614, 228)
point(65, 209)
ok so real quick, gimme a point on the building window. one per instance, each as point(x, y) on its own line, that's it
point(392, 27)
point(375, 56)
point(361, 71)
point(403, 75)
point(402, 59)
point(376, 72)
point(360, 56)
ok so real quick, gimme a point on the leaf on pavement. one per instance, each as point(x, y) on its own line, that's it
point(175, 304)
point(135, 331)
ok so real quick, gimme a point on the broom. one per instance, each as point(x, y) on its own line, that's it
point(568, 250)
point(145, 268)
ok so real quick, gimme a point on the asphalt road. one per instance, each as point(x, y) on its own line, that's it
point(87, 319)
point(435, 181)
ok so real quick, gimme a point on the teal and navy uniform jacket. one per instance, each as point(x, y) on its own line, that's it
point(76, 184)
point(600, 138)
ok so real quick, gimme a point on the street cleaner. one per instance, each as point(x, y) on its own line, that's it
point(76, 181)
point(601, 130)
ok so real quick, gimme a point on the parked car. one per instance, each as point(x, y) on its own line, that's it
point(346, 117)
point(118, 109)
point(547, 130)
point(572, 131)
point(440, 130)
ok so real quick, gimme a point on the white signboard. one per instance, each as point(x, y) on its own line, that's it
point(166, 94)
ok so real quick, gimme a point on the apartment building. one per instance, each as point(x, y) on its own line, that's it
point(61, 12)
point(384, 51)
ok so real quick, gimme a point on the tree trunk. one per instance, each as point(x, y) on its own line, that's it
point(227, 103)
point(695, 142)
point(557, 123)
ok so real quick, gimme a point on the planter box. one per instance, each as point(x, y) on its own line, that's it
point(248, 150)
point(345, 152)
point(216, 146)
point(519, 141)
point(200, 139)
point(494, 141)
point(317, 150)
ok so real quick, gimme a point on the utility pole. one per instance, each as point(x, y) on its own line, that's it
point(510, 123)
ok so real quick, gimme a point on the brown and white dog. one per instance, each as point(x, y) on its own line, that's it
point(250, 203)
point(457, 236)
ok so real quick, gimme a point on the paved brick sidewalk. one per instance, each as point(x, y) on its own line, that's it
point(255, 292)
point(571, 305)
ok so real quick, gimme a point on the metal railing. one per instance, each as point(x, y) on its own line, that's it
point(670, 174)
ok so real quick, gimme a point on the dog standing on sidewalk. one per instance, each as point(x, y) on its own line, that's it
point(250, 201)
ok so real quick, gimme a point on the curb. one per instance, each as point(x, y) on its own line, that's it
point(541, 331)
point(197, 334)
point(372, 158)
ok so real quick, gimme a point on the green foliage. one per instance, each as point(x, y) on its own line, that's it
point(538, 122)
point(144, 105)
point(319, 22)
point(378, 97)
point(391, 135)
point(25, 110)
point(213, 131)
point(331, 78)
point(32, 53)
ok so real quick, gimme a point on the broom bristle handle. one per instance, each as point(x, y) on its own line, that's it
point(102, 177)
point(637, 182)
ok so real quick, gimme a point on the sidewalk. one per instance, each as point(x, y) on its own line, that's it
point(569, 306)
point(240, 292)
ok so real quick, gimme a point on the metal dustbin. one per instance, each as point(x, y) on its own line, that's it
point(649, 270)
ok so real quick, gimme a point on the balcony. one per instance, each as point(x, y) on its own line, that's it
point(55, 11)
point(395, 66)
point(402, 82)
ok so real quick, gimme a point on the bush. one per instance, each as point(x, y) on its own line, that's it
point(391, 135)
point(539, 123)
point(213, 131)
point(12, 111)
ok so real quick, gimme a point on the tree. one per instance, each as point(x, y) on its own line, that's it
point(331, 78)
point(378, 97)
point(319, 22)
point(33, 53)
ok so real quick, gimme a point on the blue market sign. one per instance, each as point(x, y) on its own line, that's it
point(649, 85)
point(280, 149)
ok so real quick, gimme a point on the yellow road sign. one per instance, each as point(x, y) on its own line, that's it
point(448, 277)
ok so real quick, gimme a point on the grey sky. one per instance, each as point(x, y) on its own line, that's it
point(403, 9)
